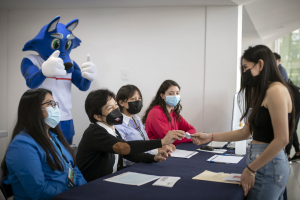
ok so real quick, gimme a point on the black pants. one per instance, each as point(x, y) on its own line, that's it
point(294, 139)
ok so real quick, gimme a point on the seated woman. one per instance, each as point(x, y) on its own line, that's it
point(101, 149)
point(39, 161)
point(163, 113)
point(129, 99)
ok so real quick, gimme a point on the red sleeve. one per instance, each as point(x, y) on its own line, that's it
point(157, 125)
point(183, 125)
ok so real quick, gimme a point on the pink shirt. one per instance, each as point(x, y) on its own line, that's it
point(157, 125)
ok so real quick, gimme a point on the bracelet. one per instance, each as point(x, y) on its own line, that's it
point(252, 174)
point(250, 169)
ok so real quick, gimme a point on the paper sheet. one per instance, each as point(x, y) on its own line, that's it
point(225, 159)
point(233, 178)
point(132, 178)
point(166, 181)
point(214, 151)
point(178, 153)
point(216, 144)
point(214, 177)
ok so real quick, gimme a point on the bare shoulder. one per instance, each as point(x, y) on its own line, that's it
point(277, 92)
point(277, 88)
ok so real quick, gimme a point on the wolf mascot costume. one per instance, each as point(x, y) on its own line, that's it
point(53, 69)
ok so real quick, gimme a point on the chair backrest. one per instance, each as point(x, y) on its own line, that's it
point(74, 147)
point(5, 190)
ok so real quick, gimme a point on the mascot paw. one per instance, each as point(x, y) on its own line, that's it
point(54, 66)
point(89, 69)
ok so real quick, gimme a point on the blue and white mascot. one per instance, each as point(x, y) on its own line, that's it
point(53, 69)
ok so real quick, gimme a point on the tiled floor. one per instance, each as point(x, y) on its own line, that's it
point(293, 185)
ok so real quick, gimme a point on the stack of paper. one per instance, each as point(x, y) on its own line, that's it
point(183, 153)
point(233, 178)
point(214, 177)
point(214, 151)
point(216, 144)
point(166, 181)
point(132, 178)
point(225, 159)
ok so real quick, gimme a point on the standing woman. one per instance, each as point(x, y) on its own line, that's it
point(271, 122)
point(39, 162)
point(163, 114)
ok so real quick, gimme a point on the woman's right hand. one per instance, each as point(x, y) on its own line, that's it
point(172, 136)
point(201, 138)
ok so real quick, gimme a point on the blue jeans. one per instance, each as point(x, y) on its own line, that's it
point(271, 179)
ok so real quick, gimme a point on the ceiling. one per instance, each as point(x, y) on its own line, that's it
point(64, 4)
point(264, 19)
point(271, 19)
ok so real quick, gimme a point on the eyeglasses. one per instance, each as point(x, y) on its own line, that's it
point(51, 103)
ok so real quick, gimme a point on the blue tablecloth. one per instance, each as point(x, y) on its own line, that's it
point(185, 188)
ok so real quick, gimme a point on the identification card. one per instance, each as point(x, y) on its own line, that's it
point(71, 182)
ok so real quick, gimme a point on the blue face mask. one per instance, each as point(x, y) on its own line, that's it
point(53, 116)
point(172, 100)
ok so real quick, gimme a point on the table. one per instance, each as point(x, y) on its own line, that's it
point(185, 188)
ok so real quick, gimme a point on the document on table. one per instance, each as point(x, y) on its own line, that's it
point(214, 177)
point(166, 181)
point(214, 151)
point(132, 178)
point(216, 144)
point(178, 153)
point(233, 178)
point(225, 159)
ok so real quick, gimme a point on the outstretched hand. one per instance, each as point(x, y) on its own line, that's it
point(201, 138)
point(172, 136)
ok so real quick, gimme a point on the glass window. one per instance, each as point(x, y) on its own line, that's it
point(288, 47)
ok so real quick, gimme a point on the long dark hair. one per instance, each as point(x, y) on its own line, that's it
point(125, 93)
point(157, 100)
point(254, 96)
point(30, 119)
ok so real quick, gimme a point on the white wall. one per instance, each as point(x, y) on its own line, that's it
point(221, 66)
point(3, 78)
point(155, 43)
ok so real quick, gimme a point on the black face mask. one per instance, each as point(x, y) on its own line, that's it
point(115, 117)
point(250, 80)
point(135, 107)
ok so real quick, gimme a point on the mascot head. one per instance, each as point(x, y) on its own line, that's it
point(55, 36)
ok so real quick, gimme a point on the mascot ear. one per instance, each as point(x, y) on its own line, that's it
point(52, 25)
point(72, 25)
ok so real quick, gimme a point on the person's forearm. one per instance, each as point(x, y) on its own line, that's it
point(230, 136)
point(269, 153)
point(137, 146)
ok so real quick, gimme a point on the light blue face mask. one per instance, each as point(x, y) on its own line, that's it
point(172, 100)
point(53, 116)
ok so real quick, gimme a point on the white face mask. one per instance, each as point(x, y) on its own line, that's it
point(172, 100)
point(53, 118)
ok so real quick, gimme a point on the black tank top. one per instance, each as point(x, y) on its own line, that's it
point(262, 127)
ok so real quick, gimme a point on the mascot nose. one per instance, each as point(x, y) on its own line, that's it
point(68, 65)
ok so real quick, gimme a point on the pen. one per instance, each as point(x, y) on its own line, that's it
point(224, 154)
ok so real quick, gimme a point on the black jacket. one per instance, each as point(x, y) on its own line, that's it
point(95, 157)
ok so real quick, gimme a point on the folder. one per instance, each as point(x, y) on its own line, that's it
point(213, 176)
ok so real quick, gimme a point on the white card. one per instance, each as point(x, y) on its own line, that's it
point(166, 181)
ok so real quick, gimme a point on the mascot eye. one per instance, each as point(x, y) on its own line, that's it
point(68, 44)
point(55, 43)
